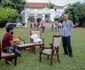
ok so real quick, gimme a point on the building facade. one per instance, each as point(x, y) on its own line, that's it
point(35, 11)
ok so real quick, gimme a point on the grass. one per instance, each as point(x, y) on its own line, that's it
point(30, 61)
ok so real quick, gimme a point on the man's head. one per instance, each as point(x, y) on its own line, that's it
point(10, 29)
point(66, 17)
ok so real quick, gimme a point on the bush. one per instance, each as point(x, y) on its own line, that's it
point(23, 23)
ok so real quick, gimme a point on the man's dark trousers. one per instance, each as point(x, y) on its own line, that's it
point(67, 45)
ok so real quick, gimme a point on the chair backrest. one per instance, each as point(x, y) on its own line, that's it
point(36, 32)
point(56, 40)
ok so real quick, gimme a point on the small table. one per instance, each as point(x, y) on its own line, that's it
point(28, 45)
point(24, 46)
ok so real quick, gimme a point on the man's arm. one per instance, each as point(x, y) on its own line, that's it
point(11, 41)
point(13, 44)
point(75, 25)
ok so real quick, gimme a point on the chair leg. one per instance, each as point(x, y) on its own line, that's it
point(15, 61)
point(40, 57)
point(5, 61)
point(0, 59)
point(47, 57)
point(30, 49)
point(34, 50)
point(58, 57)
point(51, 60)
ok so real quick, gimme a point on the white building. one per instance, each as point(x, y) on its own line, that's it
point(35, 10)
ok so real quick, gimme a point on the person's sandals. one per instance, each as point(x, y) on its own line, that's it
point(9, 62)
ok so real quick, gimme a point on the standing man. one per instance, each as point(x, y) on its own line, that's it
point(66, 33)
point(7, 42)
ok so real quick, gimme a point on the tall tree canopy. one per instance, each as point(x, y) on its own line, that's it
point(10, 10)
point(18, 4)
point(76, 12)
point(50, 5)
point(15, 4)
point(7, 14)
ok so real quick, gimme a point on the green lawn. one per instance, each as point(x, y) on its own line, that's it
point(30, 61)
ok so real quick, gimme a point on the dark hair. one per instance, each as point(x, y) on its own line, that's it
point(8, 28)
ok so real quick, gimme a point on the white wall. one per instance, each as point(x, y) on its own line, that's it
point(25, 13)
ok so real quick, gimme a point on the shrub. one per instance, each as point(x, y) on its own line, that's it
point(23, 23)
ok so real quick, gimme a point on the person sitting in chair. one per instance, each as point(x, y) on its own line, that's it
point(7, 42)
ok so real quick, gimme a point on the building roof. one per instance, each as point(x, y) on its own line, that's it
point(39, 5)
point(36, 5)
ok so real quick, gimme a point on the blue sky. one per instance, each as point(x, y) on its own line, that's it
point(58, 2)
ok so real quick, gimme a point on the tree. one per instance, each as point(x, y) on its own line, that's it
point(9, 10)
point(14, 4)
point(6, 3)
point(18, 4)
point(50, 5)
point(76, 12)
point(7, 14)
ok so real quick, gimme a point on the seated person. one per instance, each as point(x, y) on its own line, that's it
point(15, 39)
point(7, 42)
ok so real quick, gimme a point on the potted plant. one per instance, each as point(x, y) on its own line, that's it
point(23, 23)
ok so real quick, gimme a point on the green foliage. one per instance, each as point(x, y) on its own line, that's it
point(6, 3)
point(9, 10)
point(15, 4)
point(50, 5)
point(76, 12)
point(23, 22)
point(6, 14)
point(18, 4)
